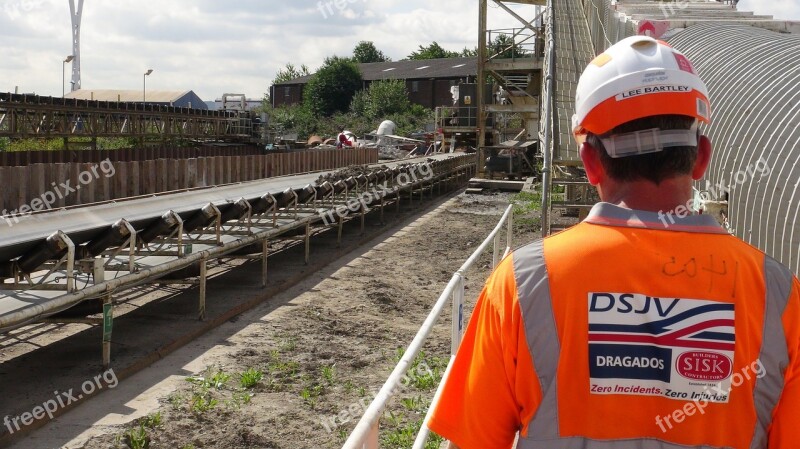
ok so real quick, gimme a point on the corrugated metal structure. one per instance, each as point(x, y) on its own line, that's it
point(573, 52)
point(752, 75)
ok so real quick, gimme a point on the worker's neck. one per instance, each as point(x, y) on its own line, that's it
point(647, 196)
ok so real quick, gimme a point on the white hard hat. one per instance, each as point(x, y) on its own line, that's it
point(635, 78)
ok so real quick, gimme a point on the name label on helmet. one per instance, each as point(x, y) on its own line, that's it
point(653, 90)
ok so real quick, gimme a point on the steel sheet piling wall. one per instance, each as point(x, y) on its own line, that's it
point(20, 185)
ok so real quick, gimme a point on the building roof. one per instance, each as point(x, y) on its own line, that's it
point(412, 69)
point(153, 96)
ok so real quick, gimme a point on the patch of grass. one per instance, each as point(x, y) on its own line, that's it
point(526, 202)
point(329, 373)
point(177, 399)
point(400, 435)
point(426, 371)
point(250, 378)
point(136, 438)
point(280, 367)
point(289, 344)
point(152, 420)
point(202, 402)
point(210, 378)
point(311, 394)
point(238, 399)
point(414, 404)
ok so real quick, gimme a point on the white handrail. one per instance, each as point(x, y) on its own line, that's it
point(365, 434)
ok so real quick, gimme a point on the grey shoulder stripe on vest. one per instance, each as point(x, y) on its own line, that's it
point(533, 288)
point(774, 356)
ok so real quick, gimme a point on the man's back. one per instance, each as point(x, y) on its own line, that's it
point(672, 323)
point(636, 332)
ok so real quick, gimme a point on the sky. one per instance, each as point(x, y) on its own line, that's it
point(215, 47)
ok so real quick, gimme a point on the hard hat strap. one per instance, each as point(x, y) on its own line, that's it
point(649, 141)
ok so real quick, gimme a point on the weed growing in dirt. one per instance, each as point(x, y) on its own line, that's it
point(152, 420)
point(526, 202)
point(329, 373)
point(526, 208)
point(177, 399)
point(311, 394)
point(280, 373)
point(136, 438)
point(250, 378)
point(202, 401)
point(211, 378)
point(238, 399)
point(402, 424)
point(414, 404)
point(289, 344)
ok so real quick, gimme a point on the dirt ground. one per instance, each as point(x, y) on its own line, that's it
point(299, 370)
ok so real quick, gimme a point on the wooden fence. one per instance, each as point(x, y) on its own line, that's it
point(30, 187)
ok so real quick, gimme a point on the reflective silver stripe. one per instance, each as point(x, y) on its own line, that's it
point(533, 289)
point(585, 443)
point(774, 354)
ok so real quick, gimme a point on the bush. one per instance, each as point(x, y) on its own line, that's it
point(385, 98)
point(332, 88)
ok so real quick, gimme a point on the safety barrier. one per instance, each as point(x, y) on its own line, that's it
point(366, 433)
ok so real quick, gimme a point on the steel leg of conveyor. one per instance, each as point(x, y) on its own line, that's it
point(108, 319)
point(264, 254)
point(308, 242)
point(203, 272)
point(339, 235)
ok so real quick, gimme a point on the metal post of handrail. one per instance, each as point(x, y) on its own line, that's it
point(548, 122)
point(494, 252)
point(456, 315)
point(510, 232)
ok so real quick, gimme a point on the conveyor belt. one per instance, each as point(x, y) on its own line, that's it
point(81, 225)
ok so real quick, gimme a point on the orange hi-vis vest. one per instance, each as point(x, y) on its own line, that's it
point(631, 330)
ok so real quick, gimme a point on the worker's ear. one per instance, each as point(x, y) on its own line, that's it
point(591, 163)
point(703, 158)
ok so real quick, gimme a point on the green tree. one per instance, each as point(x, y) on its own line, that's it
point(289, 73)
point(383, 98)
point(366, 52)
point(504, 47)
point(432, 51)
point(469, 53)
point(332, 88)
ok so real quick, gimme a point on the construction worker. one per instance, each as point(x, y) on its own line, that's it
point(644, 326)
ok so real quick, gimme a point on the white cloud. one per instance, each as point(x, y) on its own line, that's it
point(214, 47)
point(779, 9)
